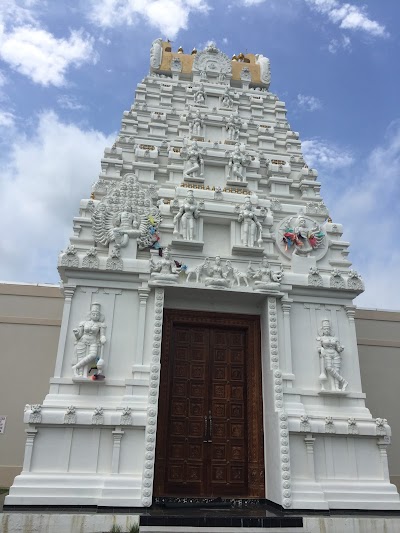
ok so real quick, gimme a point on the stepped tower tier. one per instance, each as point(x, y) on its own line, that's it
point(208, 345)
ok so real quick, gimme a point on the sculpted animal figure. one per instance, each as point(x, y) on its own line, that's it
point(198, 270)
point(237, 275)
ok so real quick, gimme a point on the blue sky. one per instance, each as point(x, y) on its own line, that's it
point(68, 69)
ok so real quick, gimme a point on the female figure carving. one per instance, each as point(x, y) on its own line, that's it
point(90, 339)
point(165, 270)
point(249, 224)
point(330, 350)
point(185, 218)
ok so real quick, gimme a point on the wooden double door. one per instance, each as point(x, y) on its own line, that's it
point(210, 430)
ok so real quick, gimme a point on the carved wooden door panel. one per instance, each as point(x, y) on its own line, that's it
point(228, 451)
point(209, 437)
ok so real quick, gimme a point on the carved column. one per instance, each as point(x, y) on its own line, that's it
point(310, 441)
point(353, 348)
point(69, 291)
point(30, 438)
point(382, 444)
point(287, 343)
point(143, 297)
point(116, 452)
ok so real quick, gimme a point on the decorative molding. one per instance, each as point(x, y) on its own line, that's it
point(152, 411)
point(126, 417)
point(98, 416)
point(305, 425)
point(329, 425)
point(70, 415)
point(352, 427)
point(35, 416)
point(314, 278)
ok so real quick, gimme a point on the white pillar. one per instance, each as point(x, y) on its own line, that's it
point(382, 444)
point(117, 435)
point(310, 441)
point(30, 438)
point(68, 294)
point(143, 297)
point(288, 375)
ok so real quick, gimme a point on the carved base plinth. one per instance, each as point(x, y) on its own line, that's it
point(235, 183)
point(188, 245)
point(160, 282)
point(81, 379)
point(266, 287)
point(216, 283)
point(230, 142)
point(333, 393)
point(197, 138)
point(239, 249)
point(193, 179)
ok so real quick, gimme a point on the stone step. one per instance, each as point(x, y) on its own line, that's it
point(188, 529)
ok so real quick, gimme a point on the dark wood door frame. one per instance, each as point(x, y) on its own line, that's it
point(250, 324)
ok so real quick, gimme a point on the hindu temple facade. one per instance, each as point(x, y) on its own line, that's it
point(208, 346)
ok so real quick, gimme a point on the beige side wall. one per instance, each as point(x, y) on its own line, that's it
point(30, 318)
point(378, 337)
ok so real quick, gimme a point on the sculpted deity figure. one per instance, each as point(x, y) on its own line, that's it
point(165, 270)
point(216, 277)
point(226, 99)
point(250, 225)
point(194, 165)
point(237, 162)
point(156, 53)
point(265, 70)
point(303, 238)
point(126, 225)
point(330, 350)
point(233, 127)
point(200, 96)
point(196, 125)
point(185, 218)
point(90, 339)
point(266, 278)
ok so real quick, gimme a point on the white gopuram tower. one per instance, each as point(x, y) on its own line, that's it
point(208, 346)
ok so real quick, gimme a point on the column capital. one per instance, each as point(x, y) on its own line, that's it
point(144, 293)
point(350, 311)
point(68, 291)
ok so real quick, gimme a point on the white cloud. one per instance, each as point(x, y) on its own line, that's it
point(36, 53)
point(343, 43)
point(169, 16)
point(348, 16)
point(365, 200)
point(252, 2)
point(69, 102)
point(41, 185)
point(7, 119)
point(321, 153)
point(308, 103)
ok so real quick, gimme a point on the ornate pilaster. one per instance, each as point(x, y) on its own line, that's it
point(152, 410)
point(287, 342)
point(30, 438)
point(68, 291)
point(284, 451)
point(383, 443)
point(309, 441)
point(143, 297)
point(116, 452)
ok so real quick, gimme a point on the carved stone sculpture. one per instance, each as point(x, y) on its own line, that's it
point(305, 424)
point(198, 270)
point(380, 426)
point(352, 427)
point(91, 260)
point(126, 417)
point(237, 163)
point(165, 270)
point(194, 164)
point(196, 125)
point(302, 235)
point(329, 425)
point(200, 96)
point(265, 69)
point(330, 352)
point(233, 127)
point(126, 212)
point(216, 276)
point(69, 258)
point(98, 416)
point(237, 274)
point(36, 414)
point(251, 228)
point(90, 339)
point(226, 99)
point(315, 278)
point(70, 415)
point(156, 54)
point(336, 280)
point(211, 62)
point(114, 261)
point(355, 281)
point(265, 278)
point(185, 219)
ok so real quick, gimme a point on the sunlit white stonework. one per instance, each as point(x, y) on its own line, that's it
point(207, 169)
